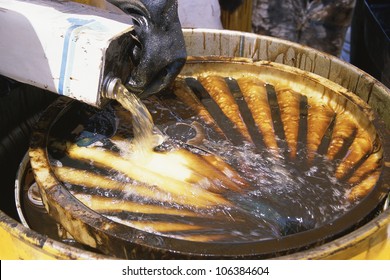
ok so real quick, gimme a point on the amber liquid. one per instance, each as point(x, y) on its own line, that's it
point(262, 206)
point(171, 196)
point(142, 122)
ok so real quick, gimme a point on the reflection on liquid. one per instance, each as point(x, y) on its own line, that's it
point(225, 161)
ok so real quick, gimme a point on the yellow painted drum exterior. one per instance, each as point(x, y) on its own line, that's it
point(19, 242)
point(371, 241)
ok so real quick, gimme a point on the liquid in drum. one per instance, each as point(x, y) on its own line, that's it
point(202, 171)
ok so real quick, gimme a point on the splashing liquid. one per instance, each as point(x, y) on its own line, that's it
point(263, 213)
point(145, 139)
point(212, 186)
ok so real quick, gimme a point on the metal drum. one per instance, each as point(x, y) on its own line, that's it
point(362, 232)
point(189, 199)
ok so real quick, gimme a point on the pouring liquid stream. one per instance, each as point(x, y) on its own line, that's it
point(142, 122)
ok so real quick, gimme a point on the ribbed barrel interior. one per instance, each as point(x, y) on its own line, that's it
point(298, 128)
point(249, 155)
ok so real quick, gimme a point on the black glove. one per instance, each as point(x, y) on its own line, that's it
point(161, 53)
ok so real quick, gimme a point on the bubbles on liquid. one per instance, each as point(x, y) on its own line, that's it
point(56, 163)
point(283, 197)
point(304, 198)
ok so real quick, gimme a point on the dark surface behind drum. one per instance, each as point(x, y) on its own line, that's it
point(19, 109)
